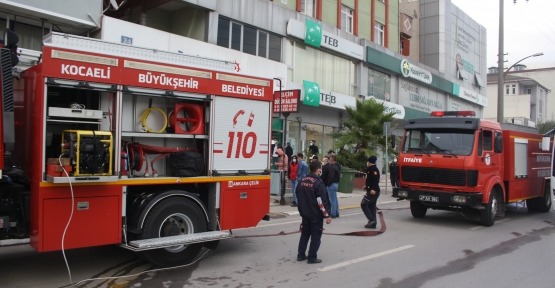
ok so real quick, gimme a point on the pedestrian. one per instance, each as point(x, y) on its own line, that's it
point(289, 151)
point(281, 163)
point(303, 167)
point(314, 207)
point(330, 153)
point(275, 144)
point(394, 172)
point(332, 183)
point(369, 200)
point(313, 148)
point(314, 158)
point(293, 170)
point(325, 170)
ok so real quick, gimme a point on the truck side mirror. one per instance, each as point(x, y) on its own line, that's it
point(498, 143)
point(546, 141)
point(392, 141)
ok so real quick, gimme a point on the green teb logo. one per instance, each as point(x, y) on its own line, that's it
point(311, 95)
point(405, 68)
point(313, 33)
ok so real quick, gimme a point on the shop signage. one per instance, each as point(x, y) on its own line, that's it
point(414, 96)
point(470, 95)
point(399, 110)
point(311, 95)
point(313, 34)
point(287, 102)
point(415, 72)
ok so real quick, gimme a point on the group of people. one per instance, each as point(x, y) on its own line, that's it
point(315, 202)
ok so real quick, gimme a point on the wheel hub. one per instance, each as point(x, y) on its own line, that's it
point(176, 224)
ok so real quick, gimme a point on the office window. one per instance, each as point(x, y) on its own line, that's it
point(347, 19)
point(308, 7)
point(528, 91)
point(507, 89)
point(248, 39)
point(379, 33)
point(514, 89)
point(379, 85)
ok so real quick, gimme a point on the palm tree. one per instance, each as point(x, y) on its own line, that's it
point(364, 127)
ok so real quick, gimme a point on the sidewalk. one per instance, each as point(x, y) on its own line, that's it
point(346, 201)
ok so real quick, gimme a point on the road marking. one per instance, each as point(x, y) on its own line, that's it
point(496, 222)
point(342, 264)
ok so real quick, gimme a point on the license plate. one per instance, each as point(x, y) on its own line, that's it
point(428, 198)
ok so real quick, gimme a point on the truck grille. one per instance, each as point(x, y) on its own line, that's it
point(433, 175)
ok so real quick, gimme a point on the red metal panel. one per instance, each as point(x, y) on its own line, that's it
point(238, 211)
point(99, 224)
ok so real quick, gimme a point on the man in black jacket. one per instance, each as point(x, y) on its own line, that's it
point(313, 206)
point(288, 152)
point(369, 200)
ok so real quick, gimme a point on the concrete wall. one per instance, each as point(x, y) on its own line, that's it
point(412, 8)
point(74, 8)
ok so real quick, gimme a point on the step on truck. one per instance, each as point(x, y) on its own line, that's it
point(456, 162)
point(107, 143)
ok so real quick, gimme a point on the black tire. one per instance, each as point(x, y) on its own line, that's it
point(488, 214)
point(418, 209)
point(540, 204)
point(171, 217)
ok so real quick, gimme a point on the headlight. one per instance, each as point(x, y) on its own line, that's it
point(403, 193)
point(459, 199)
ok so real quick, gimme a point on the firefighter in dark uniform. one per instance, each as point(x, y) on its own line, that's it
point(314, 206)
point(369, 200)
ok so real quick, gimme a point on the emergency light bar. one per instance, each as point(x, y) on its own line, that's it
point(452, 113)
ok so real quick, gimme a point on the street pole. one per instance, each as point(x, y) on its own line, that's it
point(386, 129)
point(500, 78)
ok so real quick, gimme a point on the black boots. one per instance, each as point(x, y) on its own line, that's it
point(371, 224)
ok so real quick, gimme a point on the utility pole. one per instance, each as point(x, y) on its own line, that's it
point(500, 63)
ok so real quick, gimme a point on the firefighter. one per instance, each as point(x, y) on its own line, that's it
point(394, 172)
point(369, 200)
point(314, 207)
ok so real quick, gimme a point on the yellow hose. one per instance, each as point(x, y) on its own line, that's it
point(145, 115)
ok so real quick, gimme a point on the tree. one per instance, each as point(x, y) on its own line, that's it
point(363, 128)
point(544, 127)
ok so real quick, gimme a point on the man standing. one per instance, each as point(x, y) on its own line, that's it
point(368, 203)
point(394, 172)
point(325, 169)
point(332, 183)
point(275, 145)
point(313, 148)
point(313, 207)
point(302, 170)
point(330, 153)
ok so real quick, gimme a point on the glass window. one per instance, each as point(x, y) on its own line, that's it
point(480, 144)
point(308, 7)
point(249, 40)
point(488, 139)
point(330, 71)
point(514, 89)
point(236, 36)
point(440, 141)
point(316, 133)
point(275, 48)
point(262, 43)
point(294, 134)
point(379, 33)
point(329, 141)
point(223, 32)
point(379, 85)
point(347, 19)
point(507, 89)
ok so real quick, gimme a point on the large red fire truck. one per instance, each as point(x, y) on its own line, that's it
point(135, 150)
point(465, 163)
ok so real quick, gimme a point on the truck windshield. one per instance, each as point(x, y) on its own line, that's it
point(435, 141)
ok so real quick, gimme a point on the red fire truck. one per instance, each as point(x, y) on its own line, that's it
point(454, 161)
point(116, 144)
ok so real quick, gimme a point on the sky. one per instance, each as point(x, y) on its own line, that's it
point(529, 29)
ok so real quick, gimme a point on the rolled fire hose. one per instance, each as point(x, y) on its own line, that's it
point(145, 116)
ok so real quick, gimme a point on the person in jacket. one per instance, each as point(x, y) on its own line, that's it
point(313, 207)
point(281, 163)
point(313, 148)
point(369, 200)
point(332, 183)
point(303, 167)
point(293, 170)
point(394, 172)
point(289, 151)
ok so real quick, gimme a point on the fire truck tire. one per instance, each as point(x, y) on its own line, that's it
point(418, 209)
point(540, 204)
point(171, 217)
point(488, 214)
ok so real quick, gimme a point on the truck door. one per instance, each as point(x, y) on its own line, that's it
point(489, 162)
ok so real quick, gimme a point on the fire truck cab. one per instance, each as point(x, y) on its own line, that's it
point(454, 161)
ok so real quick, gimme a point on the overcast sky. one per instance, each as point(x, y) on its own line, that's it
point(529, 28)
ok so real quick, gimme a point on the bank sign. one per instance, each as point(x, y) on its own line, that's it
point(412, 71)
point(470, 95)
point(313, 34)
point(420, 98)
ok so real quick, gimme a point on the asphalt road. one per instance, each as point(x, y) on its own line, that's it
point(444, 249)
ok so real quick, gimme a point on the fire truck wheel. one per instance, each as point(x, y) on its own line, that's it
point(488, 214)
point(418, 209)
point(172, 217)
point(540, 204)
